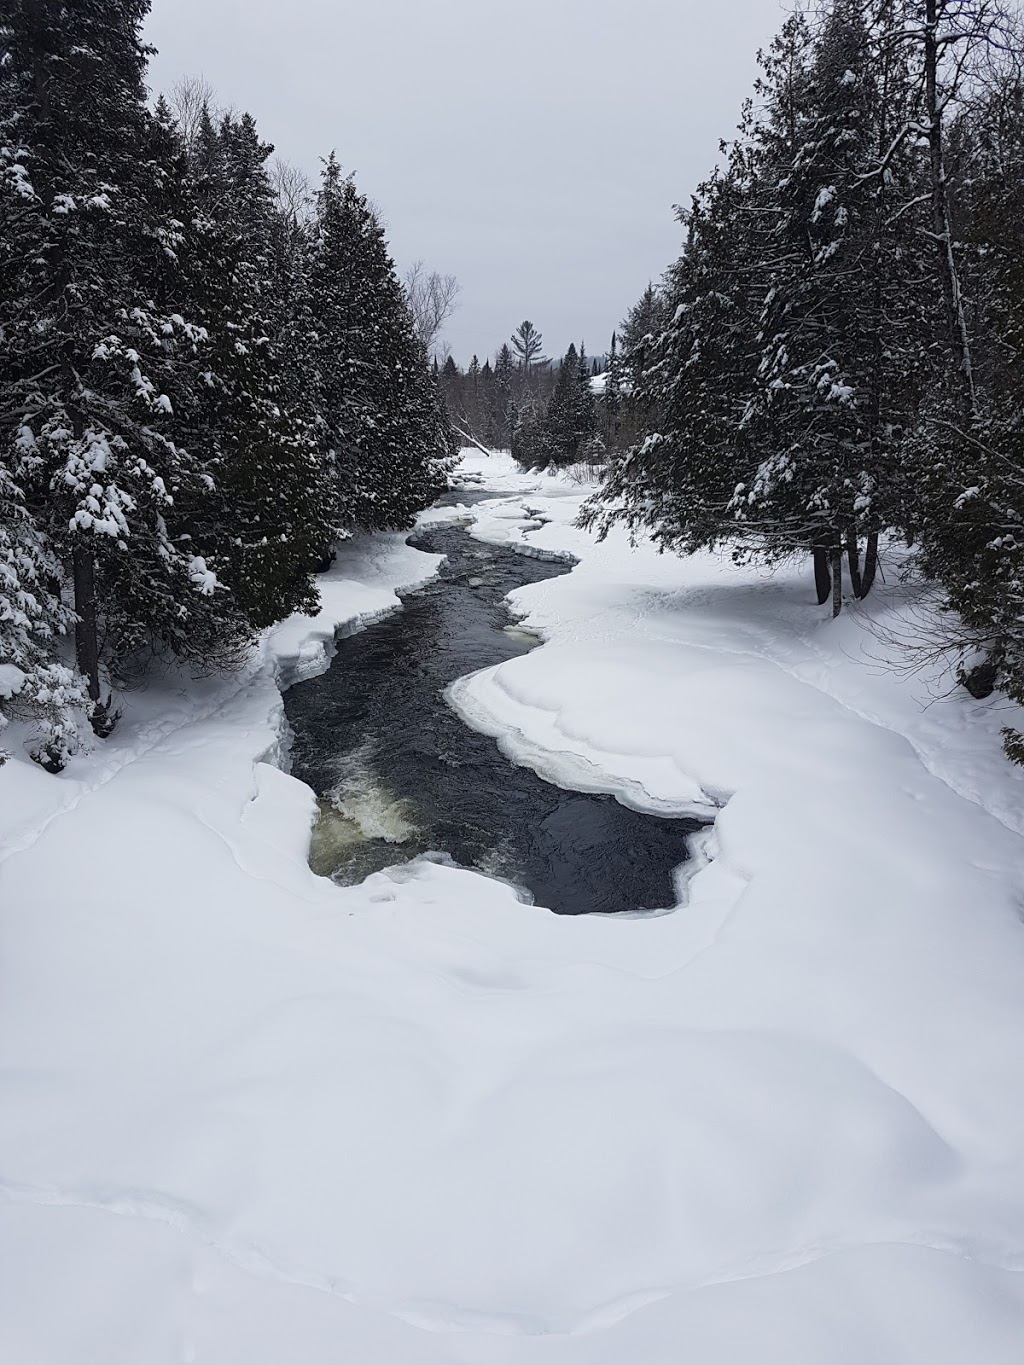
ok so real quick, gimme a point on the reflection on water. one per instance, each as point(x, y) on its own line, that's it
point(399, 774)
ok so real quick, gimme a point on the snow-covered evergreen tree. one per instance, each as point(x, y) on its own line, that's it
point(613, 397)
point(35, 681)
point(570, 420)
point(503, 406)
point(93, 365)
point(268, 518)
point(773, 402)
point(640, 328)
point(968, 463)
point(531, 445)
point(383, 427)
point(839, 297)
point(676, 480)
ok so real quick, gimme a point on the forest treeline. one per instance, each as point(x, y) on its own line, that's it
point(835, 360)
point(837, 355)
point(201, 387)
point(551, 414)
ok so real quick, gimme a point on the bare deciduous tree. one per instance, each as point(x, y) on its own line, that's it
point(433, 298)
point(292, 188)
point(189, 97)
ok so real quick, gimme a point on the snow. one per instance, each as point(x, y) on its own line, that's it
point(248, 1117)
point(12, 680)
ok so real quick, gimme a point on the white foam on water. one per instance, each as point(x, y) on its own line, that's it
point(359, 796)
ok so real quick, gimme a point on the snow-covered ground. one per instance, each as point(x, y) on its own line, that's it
point(249, 1118)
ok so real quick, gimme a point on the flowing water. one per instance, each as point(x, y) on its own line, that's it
point(399, 774)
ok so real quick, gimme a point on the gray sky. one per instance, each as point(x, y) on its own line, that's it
point(533, 148)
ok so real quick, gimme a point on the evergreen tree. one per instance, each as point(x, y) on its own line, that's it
point(34, 680)
point(531, 444)
point(677, 479)
point(570, 420)
point(640, 328)
point(268, 518)
point(586, 409)
point(773, 403)
point(612, 399)
point(528, 347)
point(562, 443)
point(383, 429)
point(838, 297)
point(968, 461)
point(93, 366)
point(503, 407)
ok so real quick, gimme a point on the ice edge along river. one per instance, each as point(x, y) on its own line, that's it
point(246, 1116)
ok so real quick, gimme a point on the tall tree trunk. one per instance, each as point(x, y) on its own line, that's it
point(837, 580)
point(87, 649)
point(853, 561)
point(822, 577)
point(942, 230)
point(870, 564)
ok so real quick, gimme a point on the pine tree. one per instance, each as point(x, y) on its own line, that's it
point(640, 328)
point(837, 298)
point(384, 431)
point(268, 518)
point(612, 399)
point(586, 409)
point(560, 425)
point(93, 367)
point(570, 421)
point(531, 445)
point(773, 405)
point(677, 479)
point(967, 460)
point(528, 347)
point(473, 407)
point(34, 679)
point(503, 408)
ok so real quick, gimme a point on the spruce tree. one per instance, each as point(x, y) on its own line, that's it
point(837, 298)
point(503, 407)
point(93, 365)
point(612, 399)
point(531, 441)
point(384, 431)
point(35, 681)
point(268, 519)
point(570, 421)
point(773, 404)
point(967, 463)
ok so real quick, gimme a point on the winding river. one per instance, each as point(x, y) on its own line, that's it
point(399, 775)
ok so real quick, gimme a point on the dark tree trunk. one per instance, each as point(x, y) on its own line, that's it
point(837, 580)
point(822, 577)
point(87, 649)
point(853, 561)
point(980, 680)
point(870, 564)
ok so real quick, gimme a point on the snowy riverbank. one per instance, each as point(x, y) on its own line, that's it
point(246, 1116)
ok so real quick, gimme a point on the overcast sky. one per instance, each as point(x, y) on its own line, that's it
point(532, 148)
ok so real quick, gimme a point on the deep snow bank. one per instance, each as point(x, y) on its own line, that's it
point(249, 1117)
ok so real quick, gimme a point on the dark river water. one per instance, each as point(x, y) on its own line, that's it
point(399, 774)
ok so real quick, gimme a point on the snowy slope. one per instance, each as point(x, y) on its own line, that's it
point(248, 1118)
